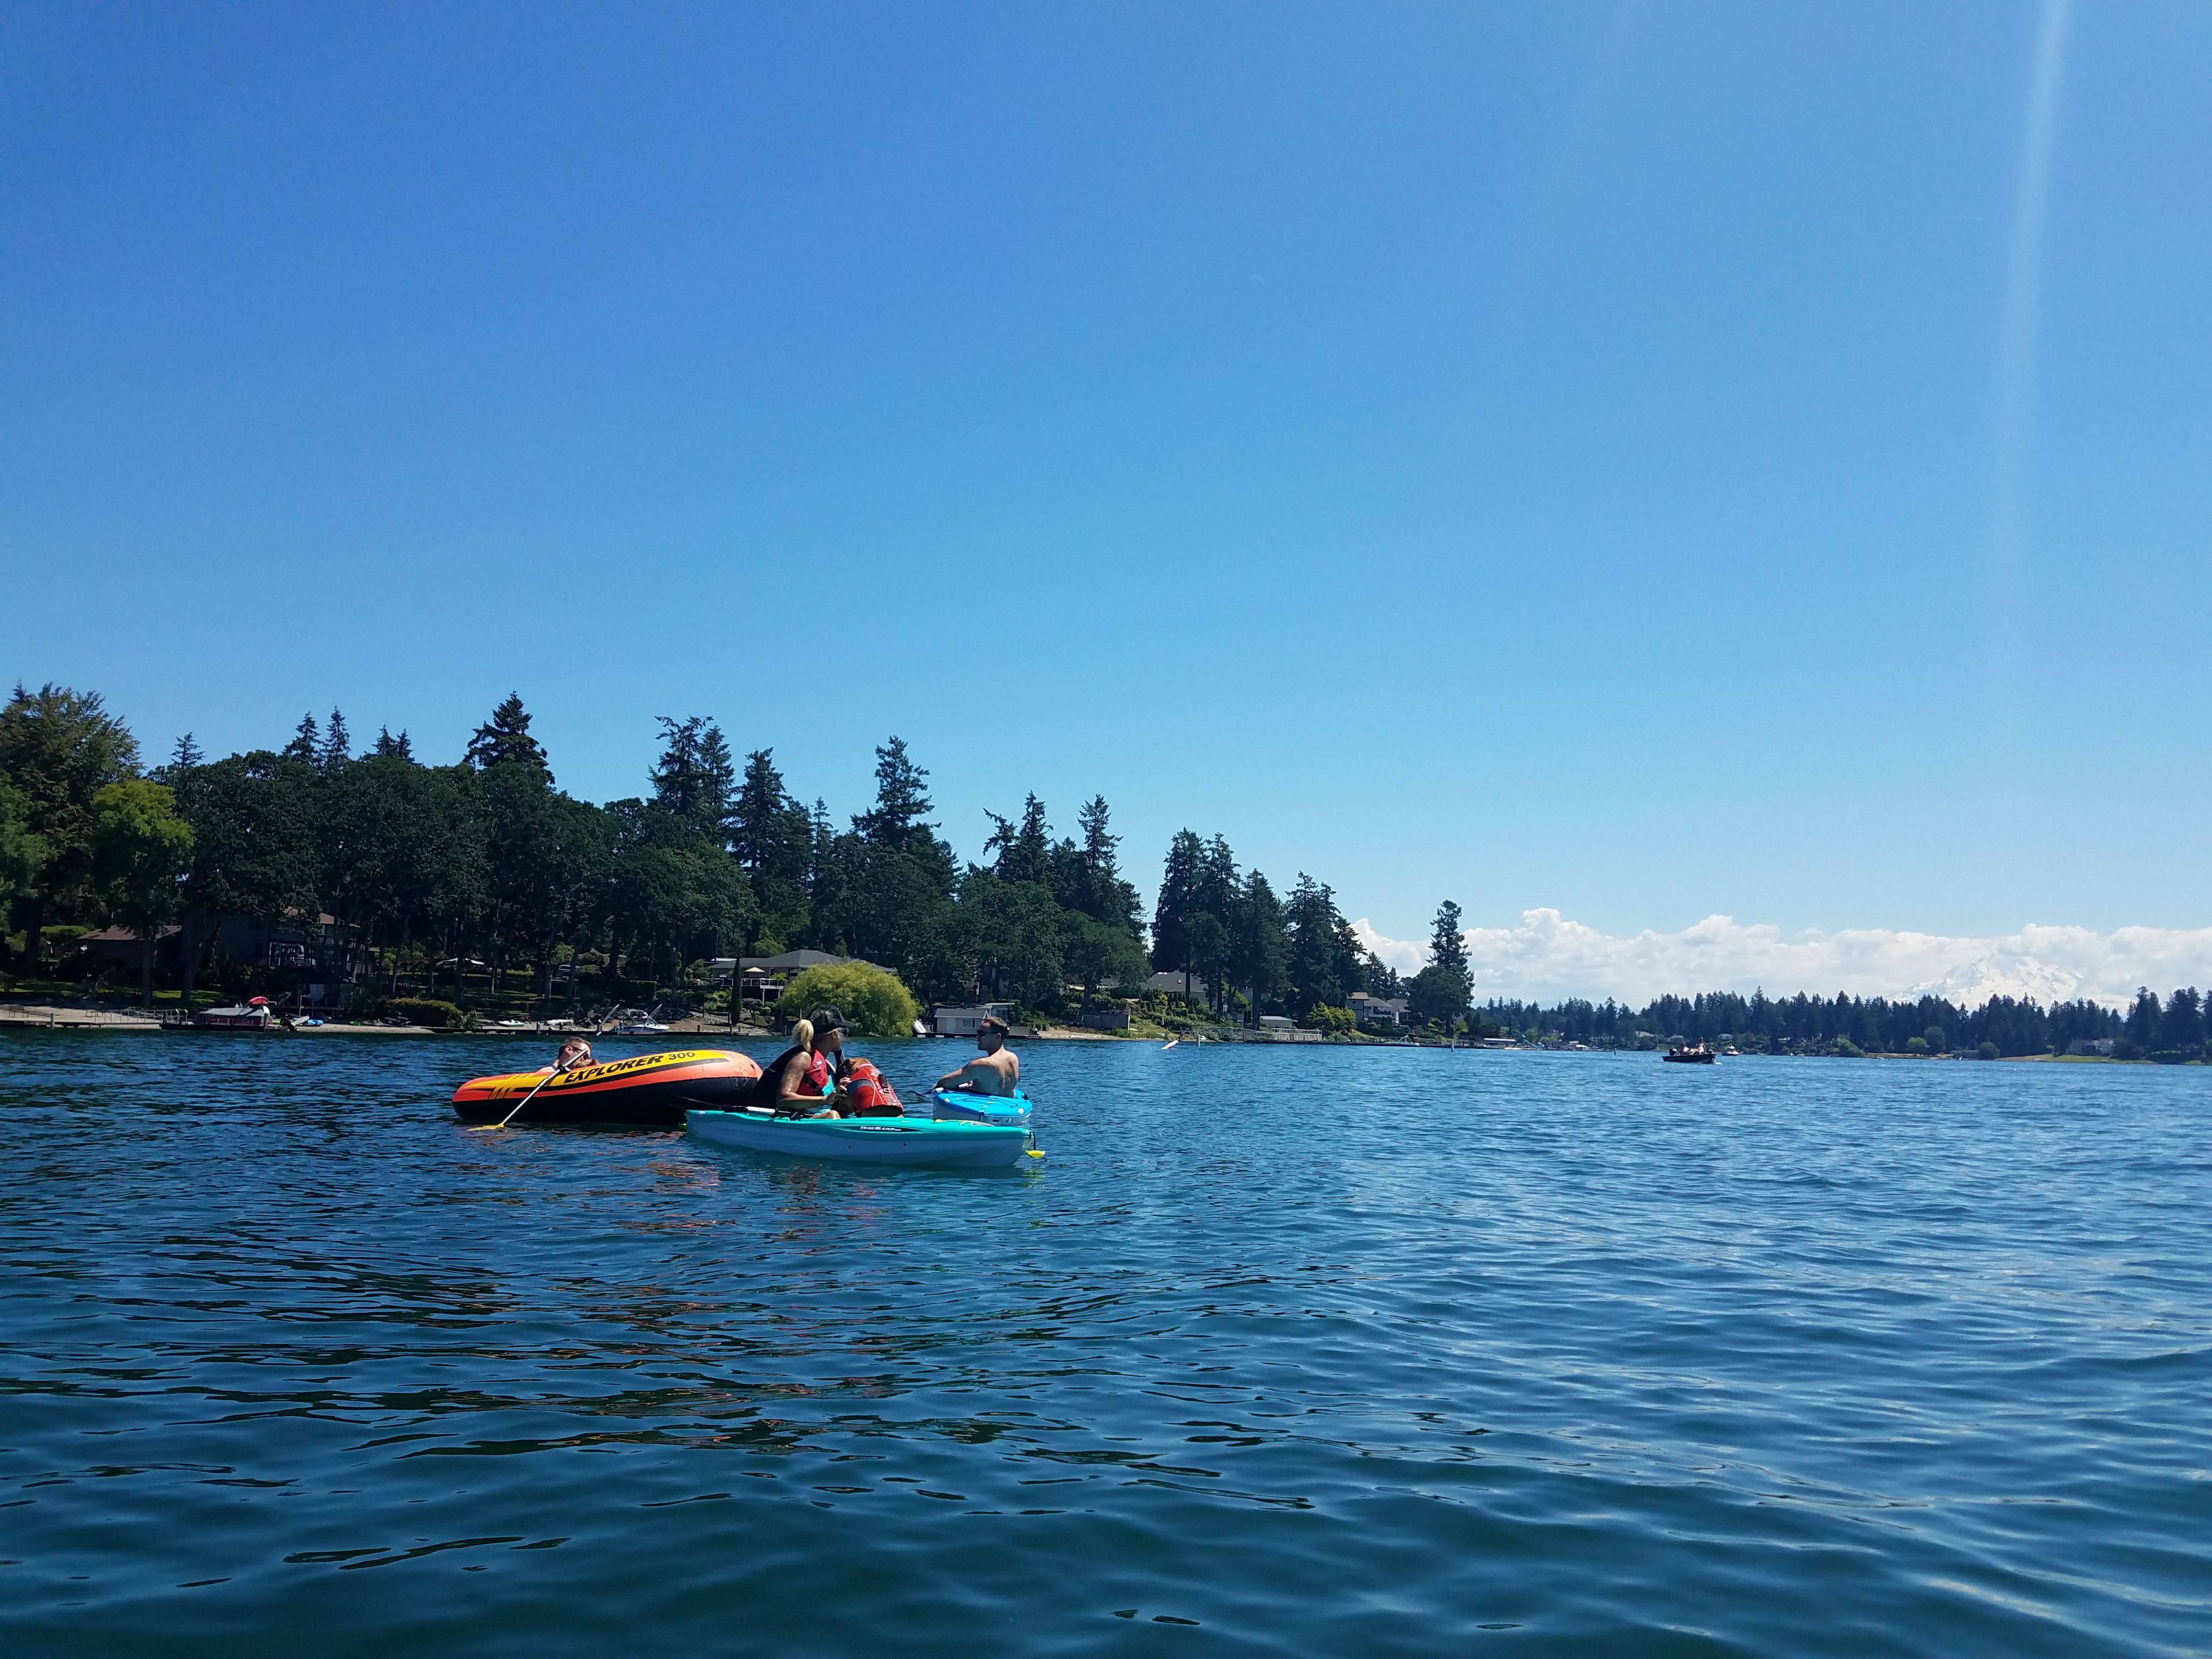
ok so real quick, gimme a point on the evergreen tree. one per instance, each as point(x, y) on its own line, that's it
point(505, 739)
point(1447, 949)
point(337, 744)
point(1262, 946)
point(1021, 853)
point(186, 755)
point(899, 819)
point(1179, 882)
point(2143, 1020)
point(390, 747)
point(1102, 893)
point(306, 743)
point(2182, 1025)
point(772, 842)
point(1311, 919)
point(693, 777)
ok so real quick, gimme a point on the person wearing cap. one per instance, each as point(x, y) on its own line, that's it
point(997, 1070)
point(802, 1080)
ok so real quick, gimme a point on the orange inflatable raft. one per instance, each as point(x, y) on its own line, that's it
point(644, 1092)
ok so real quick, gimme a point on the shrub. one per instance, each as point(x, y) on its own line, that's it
point(1334, 1022)
point(1916, 1045)
point(425, 1011)
point(1845, 1048)
point(872, 1000)
point(1987, 1051)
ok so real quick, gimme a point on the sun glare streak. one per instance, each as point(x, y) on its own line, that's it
point(1576, 148)
point(2015, 388)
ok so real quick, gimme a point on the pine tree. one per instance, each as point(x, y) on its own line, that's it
point(694, 777)
point(389, 746)
point(1446, 948)
point(899, 819)
point(186, 755)
point(1178, 893)
point(306, 743)
point(1022, 852)
point(337, 744)
point(505, 739)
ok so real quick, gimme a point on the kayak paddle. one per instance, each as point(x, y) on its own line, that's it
point(477, 1127)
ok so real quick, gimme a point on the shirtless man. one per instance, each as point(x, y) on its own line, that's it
point(996, 1071)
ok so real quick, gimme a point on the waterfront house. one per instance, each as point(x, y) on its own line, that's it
point(966, 1022)
point(1377, 1011)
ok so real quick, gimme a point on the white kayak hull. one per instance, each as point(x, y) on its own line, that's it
point(912, 1142)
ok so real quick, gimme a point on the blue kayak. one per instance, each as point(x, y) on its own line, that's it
point(954, 1144)
point(955, 1105)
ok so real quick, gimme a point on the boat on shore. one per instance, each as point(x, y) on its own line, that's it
point(1691, 1053)
point(912, 1142)
point(646, 1091)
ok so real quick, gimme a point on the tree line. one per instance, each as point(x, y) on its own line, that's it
point(2010, 1026)
point(434, 867)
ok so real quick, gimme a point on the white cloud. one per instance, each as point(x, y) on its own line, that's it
point(1546, 957)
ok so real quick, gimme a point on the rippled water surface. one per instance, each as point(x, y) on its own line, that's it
point(1364, 1352)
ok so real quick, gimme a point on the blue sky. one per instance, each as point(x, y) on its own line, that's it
point(1646, 461)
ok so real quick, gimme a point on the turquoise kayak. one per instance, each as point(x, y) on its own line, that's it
point(954, 1144)
point(957, 1105)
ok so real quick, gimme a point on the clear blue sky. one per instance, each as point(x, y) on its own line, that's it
point(1647, 460)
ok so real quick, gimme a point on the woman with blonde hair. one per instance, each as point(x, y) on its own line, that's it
point(802, 1080)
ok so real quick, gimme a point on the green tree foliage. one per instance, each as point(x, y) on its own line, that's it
point(505, 739)
point(674, 896)
point(874, 1003)
point(1206, 953)
point(338, 744)
point(141, 851)
point(1437, 993)
point(59, 748)
point(307, 744)
point(695, 778)
point(254, 845)
point(2144, 1020)
point(772, 840)
point(1098, 953)
point(1260, 948)
point(1017, 939)
point(1325, 958)
point(1178, 903)
point(2181, 1026)
point(21, 852)
point(1021, 852)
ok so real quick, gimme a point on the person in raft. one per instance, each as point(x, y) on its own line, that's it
point(996, 1071)
point(573, 1053)
point(802, 1080)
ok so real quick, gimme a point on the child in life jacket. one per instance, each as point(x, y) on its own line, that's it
point(863, 1091)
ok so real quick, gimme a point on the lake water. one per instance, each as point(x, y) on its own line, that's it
point(1355, 1352)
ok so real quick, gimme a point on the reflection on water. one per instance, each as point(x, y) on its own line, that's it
point(1370, 1351)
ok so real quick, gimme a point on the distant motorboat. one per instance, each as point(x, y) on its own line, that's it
point(253, 1016)
point(1691, 1054)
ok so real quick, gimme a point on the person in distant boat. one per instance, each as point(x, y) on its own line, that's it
point(996, 1071)
point(802, 1080)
